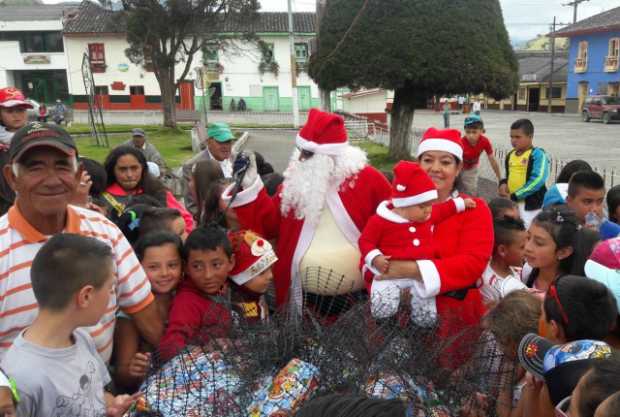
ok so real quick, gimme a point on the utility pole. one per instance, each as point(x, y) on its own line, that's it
point(575, 4)
point(291, 41)
point(325, 95)
point(550, 93)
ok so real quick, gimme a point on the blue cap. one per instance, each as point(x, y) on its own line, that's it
point(474, 118)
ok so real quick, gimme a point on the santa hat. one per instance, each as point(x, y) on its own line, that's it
point(12, 97)
point(253, 255)
point(446, 140)
point(411, 185)
point(323, 133)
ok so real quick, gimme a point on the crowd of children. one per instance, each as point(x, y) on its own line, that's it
point(555, 327)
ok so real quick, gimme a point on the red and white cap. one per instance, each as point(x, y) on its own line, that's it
point(411, 185)
point(13, 97)
point(446, 140)
point(253, 255)
point(323, 133)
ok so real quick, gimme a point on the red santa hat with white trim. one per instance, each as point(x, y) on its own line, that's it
point(446, 140)
point(253, 255)
point(323, 133)
point(411, 185)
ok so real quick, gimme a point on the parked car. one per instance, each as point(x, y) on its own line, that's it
point(606, 108)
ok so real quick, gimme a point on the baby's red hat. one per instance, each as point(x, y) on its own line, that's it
point(411, 185)
point(253, 255)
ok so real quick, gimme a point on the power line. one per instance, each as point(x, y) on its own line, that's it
point(575, 4)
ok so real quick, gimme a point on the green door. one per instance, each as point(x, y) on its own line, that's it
point(305, 98)
point(271, 98)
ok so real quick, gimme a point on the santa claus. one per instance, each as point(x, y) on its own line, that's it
point(328, 194)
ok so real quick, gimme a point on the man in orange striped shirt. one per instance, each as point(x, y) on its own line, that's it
point(44, 173)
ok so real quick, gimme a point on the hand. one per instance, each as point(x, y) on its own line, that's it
point(80, 196)
point(139, 365)
point(381, 263)
point(121, 404)
point(503, 191)
point(469, 203)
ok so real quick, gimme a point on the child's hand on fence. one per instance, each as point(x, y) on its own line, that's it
point(139, 365)
point(381, 263)
point(469, 203)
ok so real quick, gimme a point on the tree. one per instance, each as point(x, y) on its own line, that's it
point(418, 48)
point(164, 33)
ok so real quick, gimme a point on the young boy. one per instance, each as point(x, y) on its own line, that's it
point(13, 113)
point(502, 274)
point(527, 170)
point(251, 275)
point(54, 361)
point(503, 207)
point(586, 196)
point(474, 143)
point(402, 229)
point(200, 308)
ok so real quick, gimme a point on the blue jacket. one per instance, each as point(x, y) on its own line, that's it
point(534, 189)
point(556, 195)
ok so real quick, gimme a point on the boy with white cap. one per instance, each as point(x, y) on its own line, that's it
point(402, 229)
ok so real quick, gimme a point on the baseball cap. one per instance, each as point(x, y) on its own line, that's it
point(137, 132)
point(220, 132)
point(474, 118)
point(531, 353)
point(13, 97)
point(41, 134)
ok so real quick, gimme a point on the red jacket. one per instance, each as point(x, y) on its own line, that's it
point(194, 317)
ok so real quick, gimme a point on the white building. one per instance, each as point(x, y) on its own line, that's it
point(246, 72)
point(32, 54)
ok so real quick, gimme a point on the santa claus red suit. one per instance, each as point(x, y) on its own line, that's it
point(328, 194)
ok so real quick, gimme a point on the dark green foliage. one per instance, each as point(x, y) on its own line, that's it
point(433, 47)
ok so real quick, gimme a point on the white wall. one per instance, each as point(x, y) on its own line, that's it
point(114, 46)
point(29, 25)
point(372, 103)
point(11, 58)
point(241, 77)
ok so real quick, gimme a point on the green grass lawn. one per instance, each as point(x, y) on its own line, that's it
point(377, 155)
point(174, 145)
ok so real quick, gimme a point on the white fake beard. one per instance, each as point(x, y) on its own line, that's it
point(306, 183)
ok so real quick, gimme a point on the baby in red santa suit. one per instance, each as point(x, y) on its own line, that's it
point(251, 275)
point(402, 229)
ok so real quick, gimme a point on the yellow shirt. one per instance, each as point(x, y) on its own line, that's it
point(330, 266)
point(517, 170)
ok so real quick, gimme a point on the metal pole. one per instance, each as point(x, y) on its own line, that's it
point(291, 41)
point(550, 93)
point(325, 95)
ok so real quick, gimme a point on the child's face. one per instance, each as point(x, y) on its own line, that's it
point(587, 201)
point(209, 269)
point(177, 226)
point(7, 407)
point(473, 134)
point(540, 249)
point(14, 117)
point(519, 140)
point(418, 213)
point(514, 252)
point(163, 267)
point(260, 283)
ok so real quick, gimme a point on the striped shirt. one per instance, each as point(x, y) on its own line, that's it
point(20, 242)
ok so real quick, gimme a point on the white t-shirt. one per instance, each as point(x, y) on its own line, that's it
point(495, 287)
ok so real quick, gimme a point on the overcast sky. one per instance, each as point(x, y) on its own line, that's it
point(524, 18)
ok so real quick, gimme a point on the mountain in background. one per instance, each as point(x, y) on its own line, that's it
point(20, 2)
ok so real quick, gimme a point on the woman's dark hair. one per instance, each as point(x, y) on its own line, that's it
point(563, 226)
point(585, 308)
point(207, 175)
point(571, 168)
point(613, 201)
point(598, 384)
point(149, 184)
point(155, 239)
point(97, 175)
point(339, 405)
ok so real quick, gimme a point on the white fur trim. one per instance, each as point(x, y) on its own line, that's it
point(303, 244)
point(460, 204)
point(327, 149)
point(415, 199)
point(400, 187)
point(384, 212)
point(343, 220)
point(244, 197)
point(255, 269)
point(369, 258)
point(4, 380)
point(439, 144)
point(430, 279)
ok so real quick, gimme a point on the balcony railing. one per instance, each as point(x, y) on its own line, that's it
point(581, 65)
point(611, 63)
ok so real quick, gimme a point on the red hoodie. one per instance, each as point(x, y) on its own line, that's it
point(194, 317)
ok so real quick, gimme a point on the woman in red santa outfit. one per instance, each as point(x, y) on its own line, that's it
point(463, 242)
